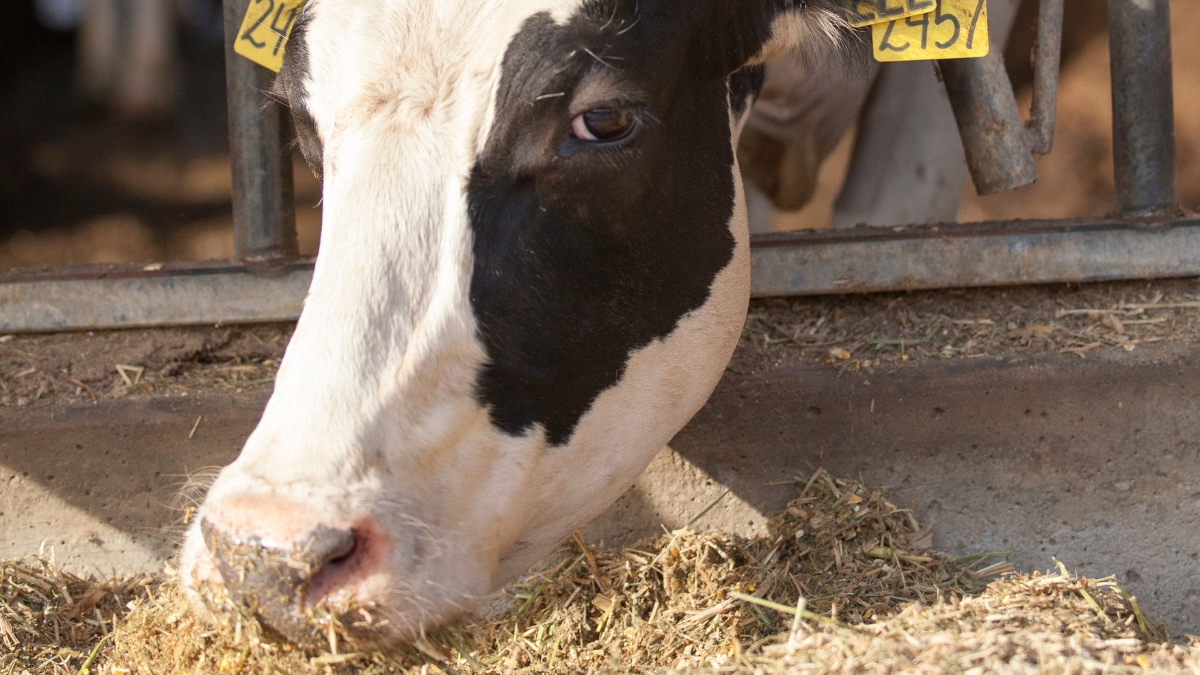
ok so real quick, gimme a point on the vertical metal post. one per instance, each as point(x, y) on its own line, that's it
point(1047, 54)
point(264, 210)
point(1139, 43)
point(989, 122)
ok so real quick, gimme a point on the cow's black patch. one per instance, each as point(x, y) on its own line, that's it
point(290, 85)
point(744, 87)
point(585, 253)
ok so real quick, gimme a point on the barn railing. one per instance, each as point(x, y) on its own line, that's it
point(1148, 238)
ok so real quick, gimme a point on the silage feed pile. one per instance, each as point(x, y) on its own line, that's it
point(871, 598)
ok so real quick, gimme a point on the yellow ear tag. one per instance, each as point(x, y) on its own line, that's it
point(955, 29)
point(264, 32)
point(867, 12)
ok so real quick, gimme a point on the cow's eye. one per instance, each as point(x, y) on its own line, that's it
point(604, 125)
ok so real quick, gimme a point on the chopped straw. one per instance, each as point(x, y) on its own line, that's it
point(54, 622)
point(845, 582)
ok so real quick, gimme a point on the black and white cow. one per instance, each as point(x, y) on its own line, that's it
point(534, 267)
point(128, 55)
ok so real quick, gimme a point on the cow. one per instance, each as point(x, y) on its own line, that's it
point(128, 56)
point(534, 266)
point(908, 163)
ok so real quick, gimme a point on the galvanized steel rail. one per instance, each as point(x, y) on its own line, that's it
point(87, 297)
point(875, 259)
point(863, 260)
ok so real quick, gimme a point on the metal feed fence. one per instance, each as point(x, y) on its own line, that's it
point(1147, 239)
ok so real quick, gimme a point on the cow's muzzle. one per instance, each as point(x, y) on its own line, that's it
point(273, 583)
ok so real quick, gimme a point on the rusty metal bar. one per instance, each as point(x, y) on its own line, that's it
point(264, 211)
point(1047, 54)
point(989, 122)
point(864, 259)
point(1139, 43)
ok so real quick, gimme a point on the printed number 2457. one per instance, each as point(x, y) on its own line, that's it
point(954, 29)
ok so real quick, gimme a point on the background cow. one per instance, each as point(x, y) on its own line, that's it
point(128, 51)
point(908, 164)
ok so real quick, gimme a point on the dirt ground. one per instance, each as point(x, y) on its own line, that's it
point(78, 185)
point(889, 330)
point(71, 367)
point(153, 179)
point(850, 333)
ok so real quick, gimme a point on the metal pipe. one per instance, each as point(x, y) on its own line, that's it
point(1139, 44)
point(865, 259)
point(989, 122)
point(264, 210)
point(873, 259)
point(1047, 54)
point(163, 294)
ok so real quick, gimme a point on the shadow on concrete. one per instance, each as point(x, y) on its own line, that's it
point(101, 482)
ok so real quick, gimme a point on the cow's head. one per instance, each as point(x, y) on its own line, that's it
point(534, 267)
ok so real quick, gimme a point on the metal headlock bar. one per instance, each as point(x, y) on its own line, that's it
point(999, 148)
point(865, 259)
point(267, 282)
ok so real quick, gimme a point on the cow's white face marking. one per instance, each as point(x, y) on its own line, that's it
point(507, 320)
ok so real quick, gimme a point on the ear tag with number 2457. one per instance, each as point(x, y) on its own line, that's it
point(954, 29)
point(264, 32)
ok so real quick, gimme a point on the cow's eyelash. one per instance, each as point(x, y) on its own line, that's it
point(626, 102)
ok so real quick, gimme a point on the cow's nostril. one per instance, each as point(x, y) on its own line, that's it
point(274, 582)
point(327, 545)
point(343, 557)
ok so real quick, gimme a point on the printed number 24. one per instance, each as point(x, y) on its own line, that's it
point(281, 31)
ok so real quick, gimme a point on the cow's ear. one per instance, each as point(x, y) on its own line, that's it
point(816, 31)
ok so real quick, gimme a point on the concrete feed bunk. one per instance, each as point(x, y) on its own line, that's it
point(992, 427)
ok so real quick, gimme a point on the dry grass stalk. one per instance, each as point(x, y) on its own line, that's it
point(52, 621)
point(1055, 623)
point(872, 596)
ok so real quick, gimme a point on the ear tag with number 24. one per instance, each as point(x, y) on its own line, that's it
point(954, 29)
point(264, 32)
